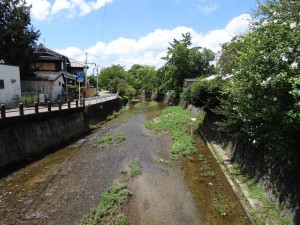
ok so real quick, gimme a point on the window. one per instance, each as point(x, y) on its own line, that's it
point(1, 84)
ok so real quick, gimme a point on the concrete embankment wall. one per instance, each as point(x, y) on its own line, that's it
point(29, 135)
point(281, 182)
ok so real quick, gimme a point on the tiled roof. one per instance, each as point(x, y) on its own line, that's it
point(52, 75)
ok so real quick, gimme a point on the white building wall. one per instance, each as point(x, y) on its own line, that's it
point(12, 85)
point(57, 87)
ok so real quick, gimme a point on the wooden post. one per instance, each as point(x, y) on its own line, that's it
point(69, 104)
point(3, 111)
point(36, 107)
point(49, 106)
point(21, 109)
point(59, 104)
point(76, 103)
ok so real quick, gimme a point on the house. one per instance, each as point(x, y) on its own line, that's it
point(53, 71)
point(10, 88)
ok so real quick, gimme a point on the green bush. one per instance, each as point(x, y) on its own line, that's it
point(204, 94)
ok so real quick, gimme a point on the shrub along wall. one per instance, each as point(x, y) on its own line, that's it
point(281, 180)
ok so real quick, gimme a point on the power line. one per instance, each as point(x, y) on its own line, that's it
point(114, 60)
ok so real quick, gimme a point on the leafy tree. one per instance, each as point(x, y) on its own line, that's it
point(204, 93)
point(145, 77)
point(184, 61)
point(228, 58)
point(115, 79)
point(17, 35)
point(264, 101)
point(93, 81)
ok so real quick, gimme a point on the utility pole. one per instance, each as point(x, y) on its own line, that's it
point(85, 70)
point(97, 79)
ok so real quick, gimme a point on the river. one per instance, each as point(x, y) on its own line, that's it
point(64, 185)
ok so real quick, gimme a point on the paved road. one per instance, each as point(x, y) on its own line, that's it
point(44, 108)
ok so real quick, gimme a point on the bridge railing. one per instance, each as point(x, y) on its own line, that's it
point(22, 110)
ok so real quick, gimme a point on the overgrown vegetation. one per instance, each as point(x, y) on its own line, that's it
point(138, 105)
point(109, 139)
point(109, 209)
point(135, 168)
point(175, 120)
point(153, 104)
point(119, 138)
point(267, 210)
point(113, 115)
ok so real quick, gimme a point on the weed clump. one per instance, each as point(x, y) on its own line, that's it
point(106, 139)
point(109, 207)
point(175, 120)
point(153, 104)
point(119, 138)
point(135, 168)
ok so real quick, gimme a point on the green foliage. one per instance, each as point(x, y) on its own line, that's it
point(113, 115)
point(107, 139)
point(111, 201)
point(145, 77)
point(17, 35)
point(73, 89)
point(119, 138)
point(93, 81)
point(135, 167)
point(153, 104)
point(204, 94)
point(183, 61)
point(175, 120)
point(267, 210)
point(263, 96)
point(29, 100)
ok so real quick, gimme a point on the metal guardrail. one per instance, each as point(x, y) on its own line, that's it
point(37, 108)
point(100, 98)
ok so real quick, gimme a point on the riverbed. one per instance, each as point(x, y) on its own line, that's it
point(63, 186)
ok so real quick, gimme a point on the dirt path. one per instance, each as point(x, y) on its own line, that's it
point(63, 186)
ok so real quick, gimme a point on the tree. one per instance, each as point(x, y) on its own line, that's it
point(263, 101)
point(17, 35)
point(145, 77)
point(115, 79)
point(228, 58)
point(184, 61)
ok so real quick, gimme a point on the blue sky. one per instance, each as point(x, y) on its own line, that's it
point(135, 31)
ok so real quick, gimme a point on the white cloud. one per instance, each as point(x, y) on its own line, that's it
point(150, 48)
point(59, 5)
point(207, 8)
point(41, 9)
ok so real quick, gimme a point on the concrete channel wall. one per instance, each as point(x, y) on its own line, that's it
point(29, 135)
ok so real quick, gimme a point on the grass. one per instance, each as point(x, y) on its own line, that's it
point(94, 126)
point(138, 105)
point(153, 104)
point(113, 115)
point(106, 139)
point(200, 119)
point(109, 139)
point(268, 211)
point(135, 168)
point(220, 203)
point(109, 207)
point(119, 138)
point(175, 120)
point(146, 134)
